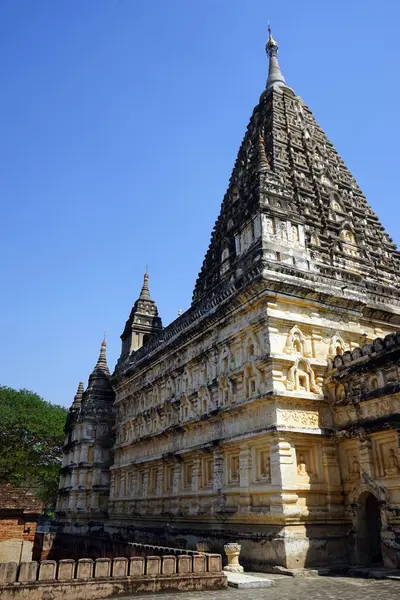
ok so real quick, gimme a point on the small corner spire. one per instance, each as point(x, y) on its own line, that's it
point(275, 77)
point(262, 163)
point(102, 360)
point(145, 293)
point(78, 396)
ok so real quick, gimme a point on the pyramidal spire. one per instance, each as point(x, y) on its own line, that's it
point(275, 77)
point(293, 207)
point(145, 293)
point(78, 396)
point(143, 321)
point(102, 360)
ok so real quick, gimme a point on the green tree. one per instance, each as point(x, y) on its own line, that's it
point(31, 439)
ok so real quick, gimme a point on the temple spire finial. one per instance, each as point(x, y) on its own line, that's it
point(145, 293)
point(275, 77)
point(102, 360)
point(78, 396)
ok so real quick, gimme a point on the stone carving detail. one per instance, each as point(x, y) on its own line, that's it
point(392, 467)
point(301, 377)
point(302, 467)
point(295, 342)
point(337, 345)
point(354, 469)
point(297, 415)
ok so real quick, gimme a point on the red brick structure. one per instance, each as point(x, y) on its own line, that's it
point(19, 511)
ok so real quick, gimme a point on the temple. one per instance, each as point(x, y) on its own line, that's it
point(269, 412)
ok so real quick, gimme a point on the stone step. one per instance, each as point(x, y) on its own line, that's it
point(244, 580)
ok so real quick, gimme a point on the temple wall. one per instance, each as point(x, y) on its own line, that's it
point(234, 427)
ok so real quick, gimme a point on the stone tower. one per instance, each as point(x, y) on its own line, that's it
point(226, 423)
point(87, 453)
point(143, 321)
point(223, 429)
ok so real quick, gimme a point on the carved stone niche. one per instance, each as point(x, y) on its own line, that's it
point(301, 377)
point(337, 345)
point(306, 464)
point(233, 474)
point(261, 465)
point(295, 342)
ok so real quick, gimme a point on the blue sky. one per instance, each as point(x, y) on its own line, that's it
point(120, 124)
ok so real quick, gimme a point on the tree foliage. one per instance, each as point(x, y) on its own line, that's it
point(31, 439)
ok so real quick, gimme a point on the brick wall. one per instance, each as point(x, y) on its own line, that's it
point(16, 539)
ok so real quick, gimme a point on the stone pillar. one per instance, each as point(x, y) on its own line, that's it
point(143, 505)
point(81, 503)
point(157, 504)
point(123, 484)
point(244, 478)
point(366, 461)
point(160, 481)
point(82, 477)
point(195, 476)
point(218, 470)
point(72, 500)
point(194, 502)
point(176, 478)
point(74, 477)
point(112, 483)
point(330, 467)
point(94, 500)
point(84, 452)
point(176, 484)
point(284, 475)
point(97, 454)
point(96, 480)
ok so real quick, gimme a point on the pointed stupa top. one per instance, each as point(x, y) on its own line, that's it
point(101, 364)
point(78, 396)
point(275, 77)
point(307, 186)
point(145, 293)
point(143, 320)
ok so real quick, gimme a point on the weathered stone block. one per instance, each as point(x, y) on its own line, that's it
point(184, 564)
point(102, 567)
point(199, 563)
point(214, 563)
point(168, 565)
point(84, 569)
point(47, 570)
point(136, 567)
point(8, 572)
point(120, 567)
point(66, 569)
point(27, 571)
point(153, 565)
